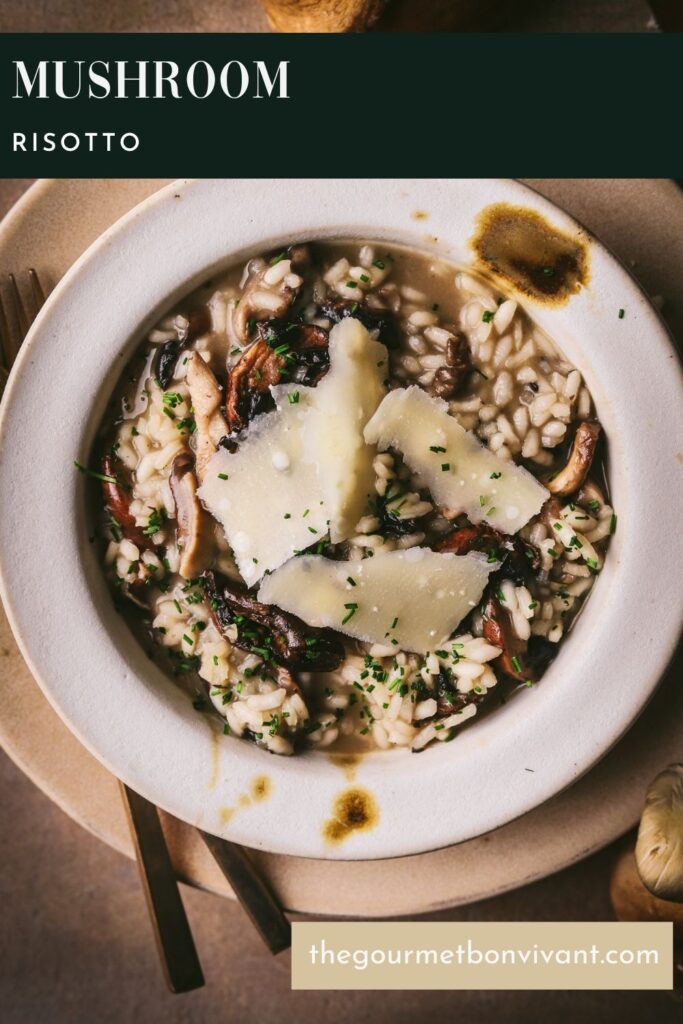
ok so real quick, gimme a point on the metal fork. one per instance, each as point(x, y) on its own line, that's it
point(169, 921)
point(176, 947)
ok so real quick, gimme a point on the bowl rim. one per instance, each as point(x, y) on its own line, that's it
point(141, 227)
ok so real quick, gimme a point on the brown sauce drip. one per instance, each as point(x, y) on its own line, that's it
point(354, 810)
point(534, 257)
point(347, 763)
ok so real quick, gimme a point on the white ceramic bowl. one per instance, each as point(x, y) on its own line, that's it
point(136, 720)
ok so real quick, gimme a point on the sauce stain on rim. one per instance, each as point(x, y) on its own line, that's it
point(215, 759)
point(347, 763)
point(536, 258)
point(354, 810)
point(261, 788)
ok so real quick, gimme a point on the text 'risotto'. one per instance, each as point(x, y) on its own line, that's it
point(286, 530)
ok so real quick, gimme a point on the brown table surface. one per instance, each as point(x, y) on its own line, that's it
point(76, 945)
point(248, 16)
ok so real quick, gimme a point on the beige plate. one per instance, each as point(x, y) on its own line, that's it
point(642, 222)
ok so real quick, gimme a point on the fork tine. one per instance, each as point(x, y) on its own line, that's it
point(8, 346)
point(20, 311)
point(37, 289)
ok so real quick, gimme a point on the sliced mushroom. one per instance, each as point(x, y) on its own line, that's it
point(194, 531)
point(571, 477)
point(590, 496)
point(206, 399)
point(449, 379)
point(498, 630)
point(117, 504)
point(263, 299)
point(659, 849)
point(303, 349)
point(519, 556)
point(277, 636)
point(298, 353)
point(247, 392)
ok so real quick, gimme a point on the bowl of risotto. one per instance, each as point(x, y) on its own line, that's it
point(310, 478)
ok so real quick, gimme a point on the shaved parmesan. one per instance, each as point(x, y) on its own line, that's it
point(461, 474)
point(266, 495)
point(341, 405)
point(304, 467)
point(411, 599)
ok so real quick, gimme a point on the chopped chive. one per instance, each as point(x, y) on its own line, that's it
point(482, 500)
point(495, 476)
point(549, 272)
point(287, 515)
point(364, 278)
point(379, 264)
point(94, 475)
point(515, 664)
point(612, 523)
point(222, 476)
point(352, 608)
point(491, 511)
point(436, 448)
point(445, 466)
point(293, 398)
point(394, 623)
point(622, 313)
point(350, 579)
point(487, 316)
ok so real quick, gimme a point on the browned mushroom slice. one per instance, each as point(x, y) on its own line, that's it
point(263, 301)
point(590, 496)
point(498, 631)
point(247, 392)
point(519, 556)
point(571, 477)
point(193, 526)
point(449, 379)
point(206, 398)
point(303, 349)
point(466, 539)
point(278, 637)
point(117, 504)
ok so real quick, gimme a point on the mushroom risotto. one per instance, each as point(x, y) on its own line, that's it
point(353, 495)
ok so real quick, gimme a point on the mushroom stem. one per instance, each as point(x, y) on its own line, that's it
point(206, 398)
point(192, 522)
point(571, 477)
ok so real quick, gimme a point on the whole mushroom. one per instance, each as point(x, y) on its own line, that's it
point(659, 848)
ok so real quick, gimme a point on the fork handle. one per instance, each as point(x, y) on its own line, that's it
point(175, 944)
point(252, 892)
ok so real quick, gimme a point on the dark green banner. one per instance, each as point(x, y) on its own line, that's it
point(353, 105)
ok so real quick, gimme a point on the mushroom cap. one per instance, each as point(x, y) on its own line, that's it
point(659, 849)
point(633, 902)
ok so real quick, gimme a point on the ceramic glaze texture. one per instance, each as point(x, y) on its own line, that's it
point(138, 724)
